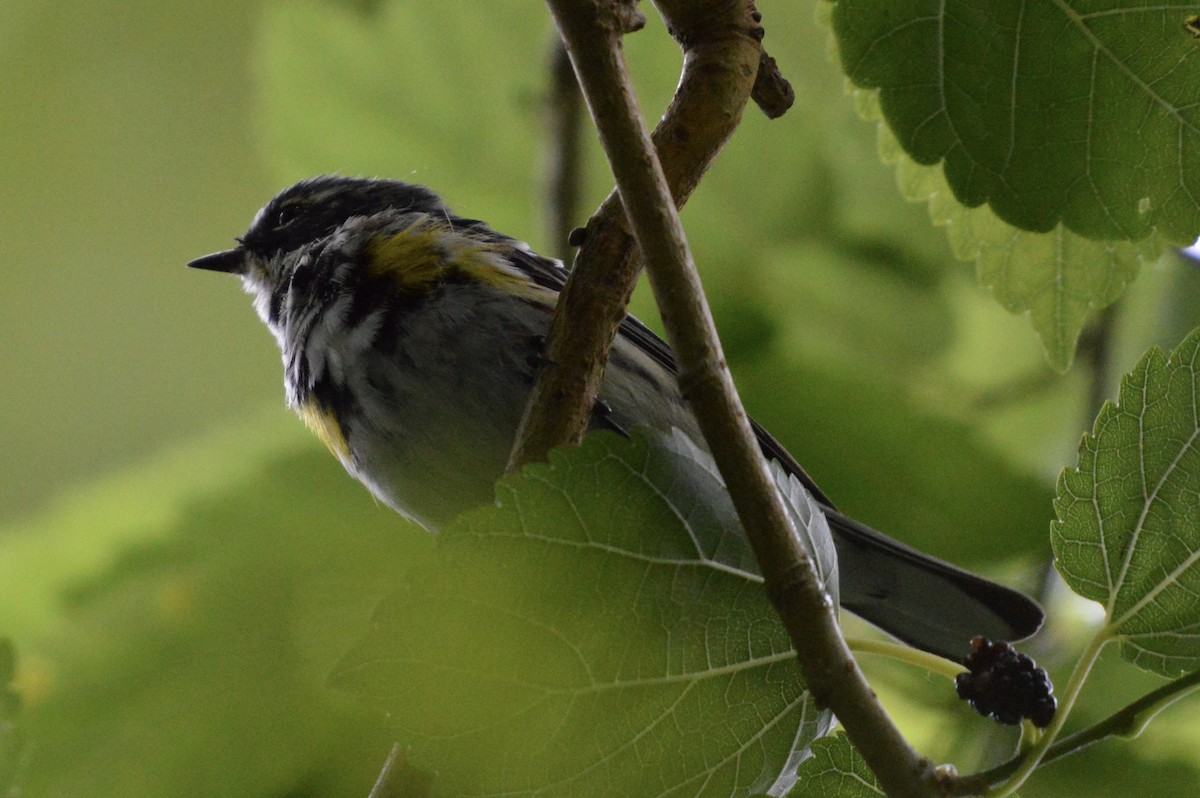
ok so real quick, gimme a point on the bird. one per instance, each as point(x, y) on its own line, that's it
point(411, 337)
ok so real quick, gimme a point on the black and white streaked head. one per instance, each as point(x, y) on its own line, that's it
point(380, 298)
point(308, 212)
point(309, 260)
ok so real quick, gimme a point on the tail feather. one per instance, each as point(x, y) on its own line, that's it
point(921, 600)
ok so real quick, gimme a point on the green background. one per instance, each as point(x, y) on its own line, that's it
point(180, 564)
point(128, 148)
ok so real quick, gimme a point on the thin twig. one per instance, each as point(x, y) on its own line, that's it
point(593, 32)
point(722, 51)
point(564, 120)
point(1125, 722)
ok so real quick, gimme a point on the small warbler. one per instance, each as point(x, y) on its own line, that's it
point(410, 340)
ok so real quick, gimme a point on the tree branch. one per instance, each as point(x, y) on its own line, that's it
point(722, 52)
point(1129, 721)
point(592, 31)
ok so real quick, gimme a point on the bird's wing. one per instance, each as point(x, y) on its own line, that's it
point(550, 274)
point(920, 599)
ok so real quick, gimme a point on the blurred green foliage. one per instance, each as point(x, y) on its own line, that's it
point(186, 652)
point(180, 572)
point(127, 149)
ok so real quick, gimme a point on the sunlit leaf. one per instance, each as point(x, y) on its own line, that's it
point(836, 770)
point(1058, 277)
point(1058, 214)
point(1128, 528)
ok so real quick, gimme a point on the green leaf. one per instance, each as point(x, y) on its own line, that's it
point(836, 770)
point(1082, 112)
point(566, 641)
point(1128, 528)
point(1059, 277)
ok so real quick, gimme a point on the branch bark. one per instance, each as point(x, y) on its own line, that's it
point(592, 32)
point(722, 53)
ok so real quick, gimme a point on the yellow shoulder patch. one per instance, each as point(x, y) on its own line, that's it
point(430, 249)
point(413, 257)
point(327, 428)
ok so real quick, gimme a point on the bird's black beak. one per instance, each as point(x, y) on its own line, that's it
point(231, 261)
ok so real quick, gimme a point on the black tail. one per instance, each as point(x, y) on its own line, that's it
point(921, 600)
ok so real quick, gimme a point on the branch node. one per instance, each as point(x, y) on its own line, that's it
point(772, 92)
point(620, 16)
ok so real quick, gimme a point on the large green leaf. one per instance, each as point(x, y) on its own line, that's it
point(1083, 112)
point(1059, 277)
point(570, 642)
point(1128, 528)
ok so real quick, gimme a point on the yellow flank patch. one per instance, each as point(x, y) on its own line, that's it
point(429, 250)
point(327, 428)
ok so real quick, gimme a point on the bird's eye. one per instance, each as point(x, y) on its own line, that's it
point(287, 214)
